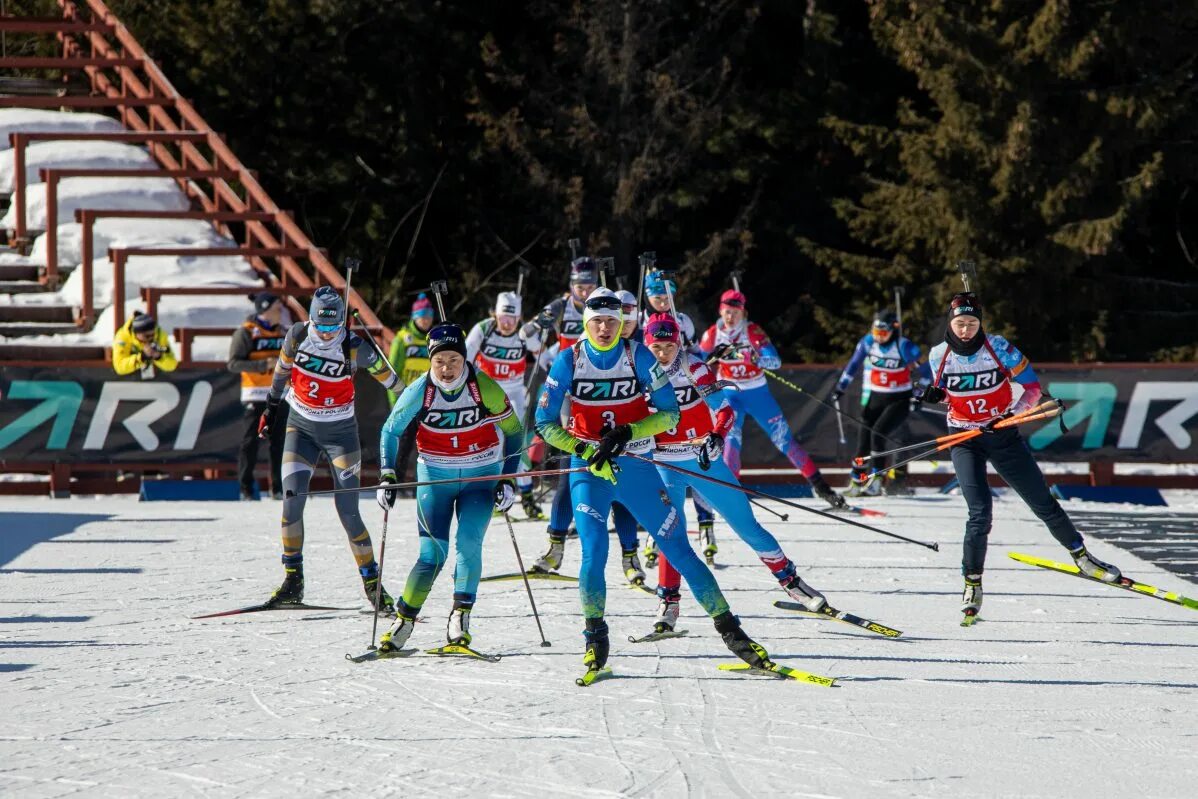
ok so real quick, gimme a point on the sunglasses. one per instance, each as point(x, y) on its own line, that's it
point(662, 333)
point(604, 304)
point(328, 328)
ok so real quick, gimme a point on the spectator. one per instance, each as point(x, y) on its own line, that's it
point(253, 352)
point(142, 345)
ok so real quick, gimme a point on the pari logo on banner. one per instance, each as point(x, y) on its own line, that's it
point(1093, 404)
point(62, 399)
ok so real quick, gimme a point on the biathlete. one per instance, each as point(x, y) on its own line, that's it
point(498, 348)
point(973, 371)
point(695, 444)
point(744, 351)
point(318, 360)
point(620, 398)
point(465, 427)
point(889, 359)
point(563, 317)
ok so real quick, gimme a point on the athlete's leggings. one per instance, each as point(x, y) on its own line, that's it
point(884, 413)
point(761, 405)
point(1013, 461)
point(515, 395)
point(625, 524)
point(302, 446)
point(733, 505)
point(436, 507)
point(639, 488)
point(560, 514)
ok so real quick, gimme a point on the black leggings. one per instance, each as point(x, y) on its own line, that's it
point(884, 413)
point(247, 453)
point(1014, 463)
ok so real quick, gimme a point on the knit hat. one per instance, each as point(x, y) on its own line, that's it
point(964, 304)
point(662, 328)
point(584, 270)
point(143, 323)
point(264, 300)
point(447, 337)
point(327, 308)
point(732, 299)
point(422, 306)
point(507, 304)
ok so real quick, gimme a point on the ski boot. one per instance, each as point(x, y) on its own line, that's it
point(825, 492)
point(667, 611)
point(707, 539)
point(291, 592)
point(632, 567)
point(744, 647)
point(802, 593)
point(397, 635)
point(650, 553)
point(457, 631)
point(598, 645)
point(371, 584)
point(895, 485)
point(860, 485)
point(531, 509)
point(1091, 566)
point(551, 561)
point(971, 599)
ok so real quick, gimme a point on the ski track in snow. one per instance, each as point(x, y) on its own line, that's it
point(108, 688)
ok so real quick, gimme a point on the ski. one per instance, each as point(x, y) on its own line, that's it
point(655, 636)
point(971, 618)
point(642, 587)
point(461, 650)
point(592, 676)
point(1125, 583)
point(532, 575)
point(829, 612)
point(376, 654)
point(266, 606)
point(781, 672)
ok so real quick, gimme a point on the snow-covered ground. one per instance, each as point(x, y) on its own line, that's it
point(1067, 688)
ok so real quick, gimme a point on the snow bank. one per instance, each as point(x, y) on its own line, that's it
point(161, 194)
point(72, 155)
point(108, 233)
point(37, 120)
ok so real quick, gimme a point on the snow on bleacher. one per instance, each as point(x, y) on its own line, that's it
point(125, 194)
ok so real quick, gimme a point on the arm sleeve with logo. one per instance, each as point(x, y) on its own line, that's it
point(368, 358)
point(661, 395)
point(500, 409)
point(854, 365)
point(1021, 373)
point(767, 353)
point(724, 414)
point(409, 404)
point(549, 406)
point(282, 374)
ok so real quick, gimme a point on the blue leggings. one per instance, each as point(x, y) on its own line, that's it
point(639, 488)
point(436, 507)
point(625, 524)
point(761, 405)
point(733, 505)
point(559, 512)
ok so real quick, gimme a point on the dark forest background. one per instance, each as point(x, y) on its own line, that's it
point(832, 149)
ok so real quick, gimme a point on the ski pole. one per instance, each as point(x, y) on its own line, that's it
point(758, 504)
point(350, 265)
point(378, 587)
point(826, 404)
point(378, 350)
point(520, 562)
point(418, 483)
point(1031, 415)
point(755, 493)
point(839, 422)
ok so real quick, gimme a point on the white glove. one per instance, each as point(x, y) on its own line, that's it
point(386, 496)
point(505, 495)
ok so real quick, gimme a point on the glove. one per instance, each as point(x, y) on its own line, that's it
point(604, 470)
point(505, 495)
point(611, 445)
point(386, 496)
point(932, 394)
point(267, 421)
point(835, 395)
point(711, 450)
point(991, 426)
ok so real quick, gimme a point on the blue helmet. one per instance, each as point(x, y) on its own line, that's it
point(656, 282)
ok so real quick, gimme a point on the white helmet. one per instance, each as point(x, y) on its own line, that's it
point(507, 304)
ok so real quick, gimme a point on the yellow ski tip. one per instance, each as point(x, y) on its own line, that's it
point(1032, 560)
point(782, 671)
